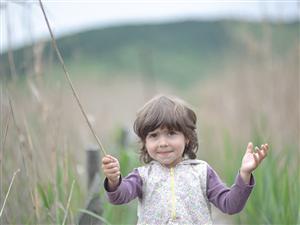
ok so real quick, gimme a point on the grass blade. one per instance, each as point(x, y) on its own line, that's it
point(10, 185)
point(68, 204)
point(94, 215)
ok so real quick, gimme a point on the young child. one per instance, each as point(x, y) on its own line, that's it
point(174, 187)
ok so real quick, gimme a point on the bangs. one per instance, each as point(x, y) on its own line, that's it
point(164, 117)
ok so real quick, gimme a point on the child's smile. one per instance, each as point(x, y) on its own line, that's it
point(166, 146)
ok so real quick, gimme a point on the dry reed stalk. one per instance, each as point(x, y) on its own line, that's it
point(34, 90)
point(34, 195)
point(2, 153)
point(68, 203)
point(57, 128)
point(54, 181)
point(26, 142)
point(9, 188)
point(51, 217)
point(66, 166)
point(36, 93)
point(69, 79)
point(20, 135)
point(38, 50)
point(55, 168)
point(4, 138)
point(3, 145)
point(72, 217)
point(53, 164)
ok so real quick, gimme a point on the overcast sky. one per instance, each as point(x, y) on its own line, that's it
point(26, 22)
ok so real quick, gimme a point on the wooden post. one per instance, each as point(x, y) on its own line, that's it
point(92, 163)
point(93, 202)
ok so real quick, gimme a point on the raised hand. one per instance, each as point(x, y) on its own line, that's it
point(252, 159)
point(111, 169)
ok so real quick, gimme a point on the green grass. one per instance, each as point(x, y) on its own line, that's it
point(53, 197)
point(275, 197)
point(274, 200)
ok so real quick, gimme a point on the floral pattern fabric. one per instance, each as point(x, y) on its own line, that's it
point(174, 196)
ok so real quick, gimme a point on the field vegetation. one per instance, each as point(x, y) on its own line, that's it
point(242, 79)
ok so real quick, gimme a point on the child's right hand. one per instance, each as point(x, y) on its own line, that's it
point(111, 169)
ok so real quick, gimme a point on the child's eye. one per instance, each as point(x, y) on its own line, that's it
point(172, 132)
point(152, 135)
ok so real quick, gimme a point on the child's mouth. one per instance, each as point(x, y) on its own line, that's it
point(164, 152)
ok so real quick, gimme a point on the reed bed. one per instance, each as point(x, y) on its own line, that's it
point(44, 134)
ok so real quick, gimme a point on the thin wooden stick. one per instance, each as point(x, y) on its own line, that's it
point(69, 79)
point(68, 204)
point(10, 185)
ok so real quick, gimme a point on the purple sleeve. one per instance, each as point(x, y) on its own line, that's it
point(228, 200)
point(129, 188)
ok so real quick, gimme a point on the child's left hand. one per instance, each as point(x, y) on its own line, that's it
point(252, 159)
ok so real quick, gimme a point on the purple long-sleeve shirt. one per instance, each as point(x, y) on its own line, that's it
point(228, 200)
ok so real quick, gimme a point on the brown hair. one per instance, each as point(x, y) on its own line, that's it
point(169, 112)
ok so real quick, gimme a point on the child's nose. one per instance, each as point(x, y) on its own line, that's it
point(163, 142)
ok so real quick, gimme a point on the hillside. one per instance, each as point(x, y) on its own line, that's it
point(178, 52)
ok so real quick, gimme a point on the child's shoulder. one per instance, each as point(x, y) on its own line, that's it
point(149, 168)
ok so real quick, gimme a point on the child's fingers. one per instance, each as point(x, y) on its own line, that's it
point(250, 147)
point(112, 165)
point(112, 173)
point(255, 157)
point(110, 169)
point(112, 158)
point(264, 149)
point(106, 159)
point(260, 153)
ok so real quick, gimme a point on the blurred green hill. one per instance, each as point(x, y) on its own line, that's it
point(178, 53)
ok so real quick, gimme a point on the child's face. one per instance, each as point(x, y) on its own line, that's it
point(166, 146)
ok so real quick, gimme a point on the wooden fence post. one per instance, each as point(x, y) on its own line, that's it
point(93, 203)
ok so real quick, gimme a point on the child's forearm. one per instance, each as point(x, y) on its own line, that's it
point(245, 176)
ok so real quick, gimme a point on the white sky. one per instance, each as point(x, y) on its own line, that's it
point(26, 21)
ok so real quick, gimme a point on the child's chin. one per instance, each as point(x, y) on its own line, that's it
point(167, 163)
